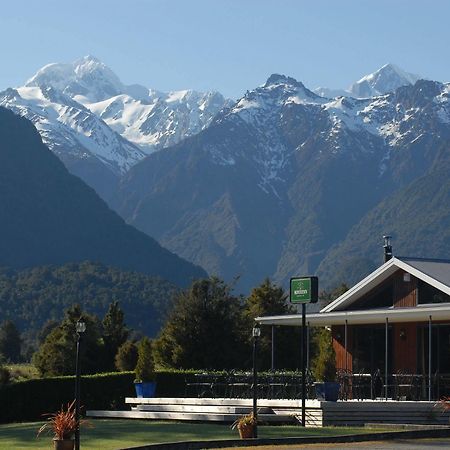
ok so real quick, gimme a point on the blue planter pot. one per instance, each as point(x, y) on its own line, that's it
point(327, 391)
point(145, 390)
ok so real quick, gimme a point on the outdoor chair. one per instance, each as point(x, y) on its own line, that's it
point(377, 385)
point(240, 385)
point(344, 378)
point(361, 385)
point(403, 382)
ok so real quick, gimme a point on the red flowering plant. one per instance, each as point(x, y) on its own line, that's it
point(62, 423)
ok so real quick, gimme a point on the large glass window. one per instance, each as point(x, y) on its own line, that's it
point(429, 294)
point(369, 348)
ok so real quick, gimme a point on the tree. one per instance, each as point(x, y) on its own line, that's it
point(56, 356)
point(10, 341)
point(323, 357)
point(203, 330)
point(145, 368)
point(126, 358)
point(268, 299)
point(324, 363)
point(114, 333)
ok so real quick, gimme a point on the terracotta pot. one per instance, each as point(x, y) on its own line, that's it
point(246, 431)
point(64, 444)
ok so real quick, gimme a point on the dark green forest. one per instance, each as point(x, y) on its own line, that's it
point(33, 297)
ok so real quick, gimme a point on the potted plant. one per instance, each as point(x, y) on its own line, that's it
point(63, 424)
point(145, 383)
point(245, 425)
point(324, 367)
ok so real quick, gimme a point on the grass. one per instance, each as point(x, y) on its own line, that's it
point(114, 434)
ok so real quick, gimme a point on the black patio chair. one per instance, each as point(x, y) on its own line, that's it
point(403, 385)
point(377, 385)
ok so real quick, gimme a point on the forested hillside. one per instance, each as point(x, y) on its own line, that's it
point(32, 297)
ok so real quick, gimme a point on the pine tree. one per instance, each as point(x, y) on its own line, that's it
point(114, 333)
point(10, 341)
point(203, 330)
point(56, 356)
point(268, 299)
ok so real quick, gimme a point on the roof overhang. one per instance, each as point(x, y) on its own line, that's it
point(377, 277)
point(422, 313)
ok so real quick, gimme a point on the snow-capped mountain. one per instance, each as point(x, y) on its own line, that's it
point(386, 79)
point(282, 175)
point(100, 127)
point(88, 147)
point(148, 118)
point(86, 79)
point(161, 119)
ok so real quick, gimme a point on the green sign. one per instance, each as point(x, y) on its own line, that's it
point(304, 290)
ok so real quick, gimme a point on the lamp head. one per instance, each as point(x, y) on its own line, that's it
point(80, 326)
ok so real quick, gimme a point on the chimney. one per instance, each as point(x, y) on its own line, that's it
point(387, 248)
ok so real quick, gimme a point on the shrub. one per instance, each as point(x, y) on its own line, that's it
point(127, 356)
point(145, 370)
point(324, 364)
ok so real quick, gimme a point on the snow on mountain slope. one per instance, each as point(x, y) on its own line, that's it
point(163, 119)
point(87, 78)
point(386, 79)
point(148, 118)
point(380, 124)
point(69, 129)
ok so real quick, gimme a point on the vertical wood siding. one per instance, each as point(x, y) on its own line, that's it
point(405, 292)
point(343, 358)
point(405, 347)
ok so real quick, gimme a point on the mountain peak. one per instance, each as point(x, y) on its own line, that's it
point(87, 77)
point(276, 78)
point(386, 79)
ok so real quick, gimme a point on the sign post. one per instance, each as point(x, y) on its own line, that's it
point(304, 290)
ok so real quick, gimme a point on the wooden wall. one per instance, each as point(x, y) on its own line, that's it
point(344, 359)
point(405, 347)
point(405, 292)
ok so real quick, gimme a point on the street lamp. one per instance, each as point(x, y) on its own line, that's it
point(256, 333)
point(80, 328)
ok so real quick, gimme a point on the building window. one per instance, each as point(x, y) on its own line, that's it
point(429, 294)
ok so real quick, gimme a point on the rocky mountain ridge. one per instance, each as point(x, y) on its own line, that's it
point(281, 177)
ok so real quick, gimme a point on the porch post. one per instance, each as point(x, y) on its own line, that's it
point(429, 359)
point(307, 347)
point(273, 348)
point(386, 360)
point(345, 345)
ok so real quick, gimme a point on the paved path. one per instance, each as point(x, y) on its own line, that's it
point(403, 444)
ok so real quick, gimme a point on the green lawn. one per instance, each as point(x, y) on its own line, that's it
point(115, 434)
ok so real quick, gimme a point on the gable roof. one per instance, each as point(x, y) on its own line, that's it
point(435, 272)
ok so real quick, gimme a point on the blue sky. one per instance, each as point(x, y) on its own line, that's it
point(228, 45)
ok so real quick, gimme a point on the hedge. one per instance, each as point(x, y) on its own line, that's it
point(29, 400)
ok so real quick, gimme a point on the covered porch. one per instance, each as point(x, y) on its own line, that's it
point(387, 353)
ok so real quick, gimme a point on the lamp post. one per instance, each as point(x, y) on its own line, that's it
point(80, 328)
point(256, 332)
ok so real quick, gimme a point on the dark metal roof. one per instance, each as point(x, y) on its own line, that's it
point(439, 269)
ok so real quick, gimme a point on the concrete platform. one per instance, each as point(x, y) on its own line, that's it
point(318, 413)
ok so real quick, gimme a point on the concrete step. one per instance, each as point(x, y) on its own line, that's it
point(201, 417)
point(220, 401)
point(219, 409)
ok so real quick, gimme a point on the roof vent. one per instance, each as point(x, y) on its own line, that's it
point(387, 248)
